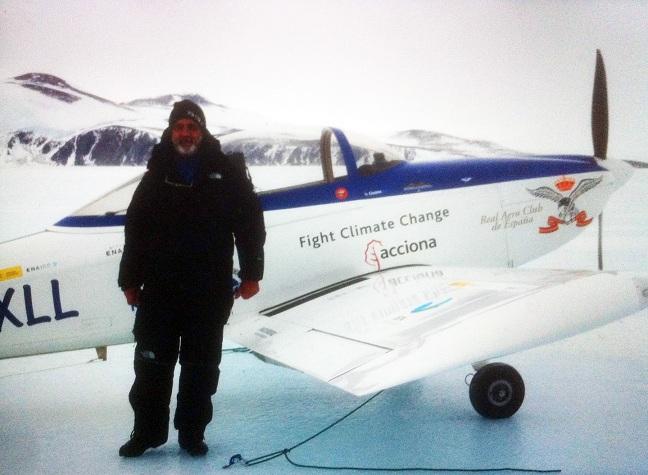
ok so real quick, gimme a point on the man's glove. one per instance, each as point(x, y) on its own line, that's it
point(132, 296)
point(247, 289)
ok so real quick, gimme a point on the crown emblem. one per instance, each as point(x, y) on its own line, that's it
point(565, 183)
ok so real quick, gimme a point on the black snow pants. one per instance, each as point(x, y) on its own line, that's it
point(171, 323)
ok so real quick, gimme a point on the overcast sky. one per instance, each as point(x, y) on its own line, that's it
point(515, 72)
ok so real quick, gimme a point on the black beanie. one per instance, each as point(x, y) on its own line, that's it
point(187, 109)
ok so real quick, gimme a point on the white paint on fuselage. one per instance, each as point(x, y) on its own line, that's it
point(84, 269)
point(307, 248)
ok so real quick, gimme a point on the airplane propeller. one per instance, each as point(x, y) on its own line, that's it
point(600, 109)
point(600, 131)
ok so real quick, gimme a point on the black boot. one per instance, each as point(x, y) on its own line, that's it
point(149, 397)
point(138, 444)
point(193, 442)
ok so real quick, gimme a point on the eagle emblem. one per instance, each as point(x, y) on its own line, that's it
point(568, 213)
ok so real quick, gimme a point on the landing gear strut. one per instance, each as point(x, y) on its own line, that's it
point(496, 391)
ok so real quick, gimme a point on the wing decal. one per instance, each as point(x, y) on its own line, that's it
point(399, 325)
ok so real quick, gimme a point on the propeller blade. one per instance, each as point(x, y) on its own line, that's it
point(600, 241)
point(600, 131)
point(637, 164)
point(600, 109)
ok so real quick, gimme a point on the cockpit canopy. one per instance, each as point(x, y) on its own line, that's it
point(325, 157)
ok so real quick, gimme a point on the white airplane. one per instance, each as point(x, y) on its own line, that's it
point(362, 288)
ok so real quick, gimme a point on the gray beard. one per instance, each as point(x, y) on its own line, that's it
point(186, 151)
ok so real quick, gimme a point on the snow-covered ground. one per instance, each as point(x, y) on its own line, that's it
point(586, 407)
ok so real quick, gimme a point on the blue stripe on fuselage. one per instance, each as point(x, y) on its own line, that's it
point(402, 179)
point(415, 177)
point(92, 221)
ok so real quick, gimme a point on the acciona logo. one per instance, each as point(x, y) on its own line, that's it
point(376, 252)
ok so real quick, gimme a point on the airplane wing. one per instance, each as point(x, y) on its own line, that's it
point(387, 328)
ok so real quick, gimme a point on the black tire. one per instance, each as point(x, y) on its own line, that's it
point(497, 391)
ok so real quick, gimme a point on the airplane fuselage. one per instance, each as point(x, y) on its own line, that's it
point(59, 290)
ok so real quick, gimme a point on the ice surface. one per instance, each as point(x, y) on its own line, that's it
point(586, 407)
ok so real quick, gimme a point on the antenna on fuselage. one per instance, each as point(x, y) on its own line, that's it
point(600, 131)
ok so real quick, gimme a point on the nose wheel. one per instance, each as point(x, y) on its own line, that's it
point(496, 391)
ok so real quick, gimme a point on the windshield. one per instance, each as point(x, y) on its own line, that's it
point(371, 156)
point(307, 156)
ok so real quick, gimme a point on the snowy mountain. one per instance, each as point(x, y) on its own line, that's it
point(303, 149)
point(416, 144)
point(169, 99)
point(55, 87)
point(275, 148)
point(46, 120)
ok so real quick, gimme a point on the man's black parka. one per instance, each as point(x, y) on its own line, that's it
point(181, 236)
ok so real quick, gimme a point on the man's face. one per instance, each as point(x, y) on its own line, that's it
point(186, 136)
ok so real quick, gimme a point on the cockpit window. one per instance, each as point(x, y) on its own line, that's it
point(372, 157)
point(375, 162)
point(317, 153)
point(278, 160)
point(113, 203)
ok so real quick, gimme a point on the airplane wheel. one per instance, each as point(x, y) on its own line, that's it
point(497, 391)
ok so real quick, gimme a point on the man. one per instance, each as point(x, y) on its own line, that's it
point(192, 205)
